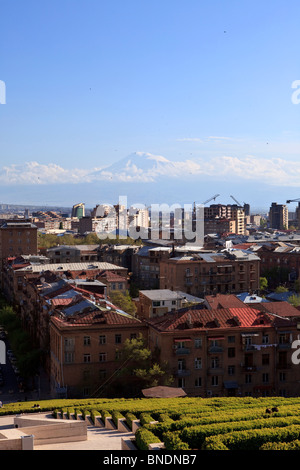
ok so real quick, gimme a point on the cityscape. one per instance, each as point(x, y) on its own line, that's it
point(149, 227)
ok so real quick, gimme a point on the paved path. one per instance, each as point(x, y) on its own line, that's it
point(98, 438)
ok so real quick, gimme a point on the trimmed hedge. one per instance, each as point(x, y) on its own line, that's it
point(173, 441)
point(144, 437)
point(251, 440)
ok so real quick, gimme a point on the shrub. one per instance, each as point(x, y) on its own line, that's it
point(173, 441)
point(146, 418)
point(129, 418)
point(115, 416)
point(144, 437)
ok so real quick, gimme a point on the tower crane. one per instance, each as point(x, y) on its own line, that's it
point(210, 199)
point(292, 200)
point(238, 203)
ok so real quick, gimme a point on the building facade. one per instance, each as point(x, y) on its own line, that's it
point(210, 273)
point(228, 352)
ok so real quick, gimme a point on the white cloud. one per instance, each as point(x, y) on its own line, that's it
point(148, 168)
point(190, 139)
point(36, 173)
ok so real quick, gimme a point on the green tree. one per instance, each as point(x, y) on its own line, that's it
point(281, 289)
point(141, 364)
point(294, 300)
point(123, 301)
point(137, 370)
point(263, 283)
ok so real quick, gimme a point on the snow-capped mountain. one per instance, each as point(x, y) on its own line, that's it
point(139, 167)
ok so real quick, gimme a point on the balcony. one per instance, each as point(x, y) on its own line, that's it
point(215, 349)
point(286, 345)
point(182, 351)
point(182, 372)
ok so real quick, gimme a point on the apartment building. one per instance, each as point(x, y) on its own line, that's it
point(146, 266)
point(230, 212)
point(280, 263)
point(219, 226)
point(73, 253)
point(228, 351)
point(157, 302)
point(279, 216)
point(17, 272)
point(86, 350)
point(202, 274)
point(17, 237)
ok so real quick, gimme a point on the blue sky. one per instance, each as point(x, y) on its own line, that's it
point(89, 82)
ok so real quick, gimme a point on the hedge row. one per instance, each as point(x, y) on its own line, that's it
point(144, 437)
point(222, 417)
point(196, 435)
point(252, 439)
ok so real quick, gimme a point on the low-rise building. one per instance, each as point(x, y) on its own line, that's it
point(229, 271)
point(228, 351)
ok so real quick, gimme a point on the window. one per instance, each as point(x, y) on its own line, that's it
point(231, 352)
point(86, 340)
point(133, 336)
point(156, 303)
point(198, 382)
point(118, 339)
point(214, 380)
point(265, 339)
point(102, 339)
point(265, 359)
point(198, 363)
point(118, 355)
point(69, 344)
point(198, 343)
point(102, 357)
point(282, 377)
point(181, 382)
point(102, 374)
point(265, 378)
point(248, 378)
point(231, 339)
point(69, 357)
point(86, 358)
point(231, 370)
point(215, 362)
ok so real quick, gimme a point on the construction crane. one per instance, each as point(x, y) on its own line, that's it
point(292, 200)
point(210, 199)
point(238, 203)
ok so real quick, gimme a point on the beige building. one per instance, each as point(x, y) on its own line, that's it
point(202, 274)
point(228, 351)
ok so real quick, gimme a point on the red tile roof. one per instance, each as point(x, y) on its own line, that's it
point(216, 319)
point(98, 317)
point(223, 301)
point(283, 309)
point(110, 276)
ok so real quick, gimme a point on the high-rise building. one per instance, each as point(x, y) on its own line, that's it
point(78, 210)
point(279, 216)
